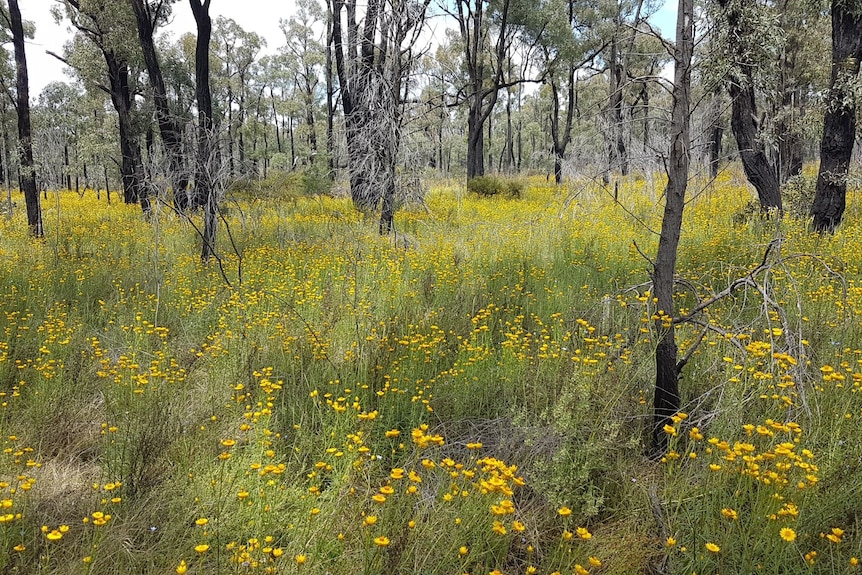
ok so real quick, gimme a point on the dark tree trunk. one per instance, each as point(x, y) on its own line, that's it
point(562, 138)
point(66, 168)
point(275, 120)
point(107, 183)
point(743, 121)
point(131, 166)
point(839, 124)
point(330, 97)
point(204, 195)
point(617, 147)
point(483, 97)
point(168, 128)
point(758, 170)
point(667, 399)
point(475, 140)
point(25, 145)
point(716, 134)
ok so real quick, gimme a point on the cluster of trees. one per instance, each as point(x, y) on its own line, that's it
point(366, 92)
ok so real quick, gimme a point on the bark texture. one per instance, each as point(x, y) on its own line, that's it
point(839, 123)
point(743, 121)
point(204, 195)
point(25, 144)
point(168, 127)
point(667, 399)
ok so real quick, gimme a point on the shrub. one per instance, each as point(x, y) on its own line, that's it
point(312, 181)
point(797, 195)
point(495, 185)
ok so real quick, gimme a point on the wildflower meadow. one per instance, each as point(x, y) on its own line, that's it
point(472, 396)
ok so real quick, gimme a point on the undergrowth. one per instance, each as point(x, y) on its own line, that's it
point(478, 403)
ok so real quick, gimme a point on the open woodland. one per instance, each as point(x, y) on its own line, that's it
point(545, 293)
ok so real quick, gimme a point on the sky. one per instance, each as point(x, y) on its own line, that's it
point(261, 16)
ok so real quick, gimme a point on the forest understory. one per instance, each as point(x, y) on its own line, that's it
point(469, 395)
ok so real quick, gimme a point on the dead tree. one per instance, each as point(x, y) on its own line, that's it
point(667, 399)
point(373, 62)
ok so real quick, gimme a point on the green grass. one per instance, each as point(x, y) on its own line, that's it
point(350, 405)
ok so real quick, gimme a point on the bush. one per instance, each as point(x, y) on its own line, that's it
point(312, 181)
point(495, 185)
point(797, 195)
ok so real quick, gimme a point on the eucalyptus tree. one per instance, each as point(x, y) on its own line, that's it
point(206, 166)
point(149, 15)
point(486, 36)
point(60, 120)
point(237, 50)
point(619, 35)
point(374, 62)
point(569, 44)
point(304, 49)
point(102, 30)
point(750, 41)
point(839, 126)
point(12, 19)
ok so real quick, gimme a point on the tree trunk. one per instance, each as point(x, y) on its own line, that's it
point(330, 97)
point(66, 168)
point(168, 128)
point(309, 115)
point(562, 138)
point(240, 140)
point(758, 170)
point(667, 399)
point(475, 139)
point(743, 123)
point(617, 146)
point(839, 124)
point(205, 196)
point(716, 134)
point(230, 133)
point(483, 98)
point(107, 183)
point(131, 166)
point(275, 120)
point(25, 145)
point(790, 139)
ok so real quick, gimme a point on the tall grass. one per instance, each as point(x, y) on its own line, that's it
point(475, 403)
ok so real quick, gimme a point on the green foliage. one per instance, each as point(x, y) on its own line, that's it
point(477, 403)
point(797, 196)
point(312, 181)
point(495, 185)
